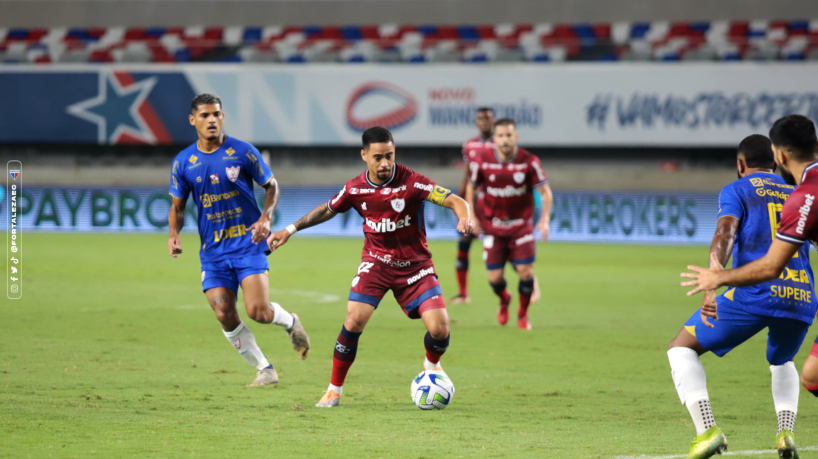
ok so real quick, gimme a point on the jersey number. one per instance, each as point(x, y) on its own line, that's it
point(365, 267)
point(774, 209)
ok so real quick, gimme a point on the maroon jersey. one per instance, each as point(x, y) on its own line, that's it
point(394, 229)
point(473, 146)
point(509, 204)
point(799, 215)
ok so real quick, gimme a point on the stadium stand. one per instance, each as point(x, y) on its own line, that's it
point(638, 41)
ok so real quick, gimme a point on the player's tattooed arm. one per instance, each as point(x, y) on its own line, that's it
point(720, 249)
point(723, 239)
point(176, 220)
point(316, 216)
point(261, 228)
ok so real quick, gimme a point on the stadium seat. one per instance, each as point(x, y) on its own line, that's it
point(759, 40)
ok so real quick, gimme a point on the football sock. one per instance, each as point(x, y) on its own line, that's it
point(462, 266)
point(345, 349)
point(526, 288)
point(338, 389)
point(435, 348)
point(243, 340)
point(429, 366)
point(691, 384)
point(500, 290)
point(785, 394)
point(281, 317)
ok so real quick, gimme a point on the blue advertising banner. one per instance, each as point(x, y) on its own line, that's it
point(638, 218)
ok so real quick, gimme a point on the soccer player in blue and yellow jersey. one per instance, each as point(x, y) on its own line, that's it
point(219, 171)
point(749, 217)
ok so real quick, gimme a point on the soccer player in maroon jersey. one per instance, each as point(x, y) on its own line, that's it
point(484, 120)
point(390, 198)
point(796, 152)
point(509, 174)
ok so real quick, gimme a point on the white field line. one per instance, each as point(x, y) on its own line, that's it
point(728, 453)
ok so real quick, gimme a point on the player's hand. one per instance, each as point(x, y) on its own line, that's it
point(709, 307)
point(174, 245)
point(476, 229)
point(465, 226)
point(260, 230)
point(278, 239)
point(544, 228)
point(703, 279)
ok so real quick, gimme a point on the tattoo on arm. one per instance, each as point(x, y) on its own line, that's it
point(316, 216)
point(723, 240)
point(272, 194)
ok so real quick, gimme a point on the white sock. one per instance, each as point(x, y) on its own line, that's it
point(691, 384)
point(338, 389)
point(429, 366)
point(786, 387)
point(281, 317)
point(243, 340)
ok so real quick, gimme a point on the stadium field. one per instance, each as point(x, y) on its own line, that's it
point(114, 352)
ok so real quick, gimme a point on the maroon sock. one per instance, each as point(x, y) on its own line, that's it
point(435, 348)
point(526, 289)
point(346, 347)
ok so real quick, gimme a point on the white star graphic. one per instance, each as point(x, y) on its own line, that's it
point(137, 91)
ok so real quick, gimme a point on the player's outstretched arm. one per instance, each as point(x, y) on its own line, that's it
point(261, 228)
point(176, 220)
point(765, 268)
point(544, 226)
point(315, 217)
point(463, 211)
point(720, 248)
point(470, 200)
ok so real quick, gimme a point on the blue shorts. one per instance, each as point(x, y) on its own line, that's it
point(229, 273)
point(735, 326)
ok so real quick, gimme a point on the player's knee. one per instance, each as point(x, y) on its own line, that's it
point(260, 312)
point(355, 322)
point(526, 273)
point(227, 317)
point(809, 379)
point(440, 330)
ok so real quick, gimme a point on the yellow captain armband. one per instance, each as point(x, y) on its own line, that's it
point(438, 195)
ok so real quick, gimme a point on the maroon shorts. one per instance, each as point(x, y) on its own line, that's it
point(415, 287)
point(520, 249)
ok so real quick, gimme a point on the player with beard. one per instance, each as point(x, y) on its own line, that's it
point(484, 121)
point(390, 197)
point(509, 175)
point(219, 171)
point(796, 152)
point(785, 306)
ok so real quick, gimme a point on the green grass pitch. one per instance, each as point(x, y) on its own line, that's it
point(114, 352)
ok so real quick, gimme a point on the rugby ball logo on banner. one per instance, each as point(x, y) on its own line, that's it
point(364, 108)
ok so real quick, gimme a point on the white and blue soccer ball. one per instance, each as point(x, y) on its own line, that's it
point(432, 390)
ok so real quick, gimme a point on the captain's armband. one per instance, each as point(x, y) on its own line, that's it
point(438, 195)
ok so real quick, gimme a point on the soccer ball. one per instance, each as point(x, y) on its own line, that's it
point(432, 390)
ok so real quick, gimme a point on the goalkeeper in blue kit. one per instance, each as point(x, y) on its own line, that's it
point(219, 171)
